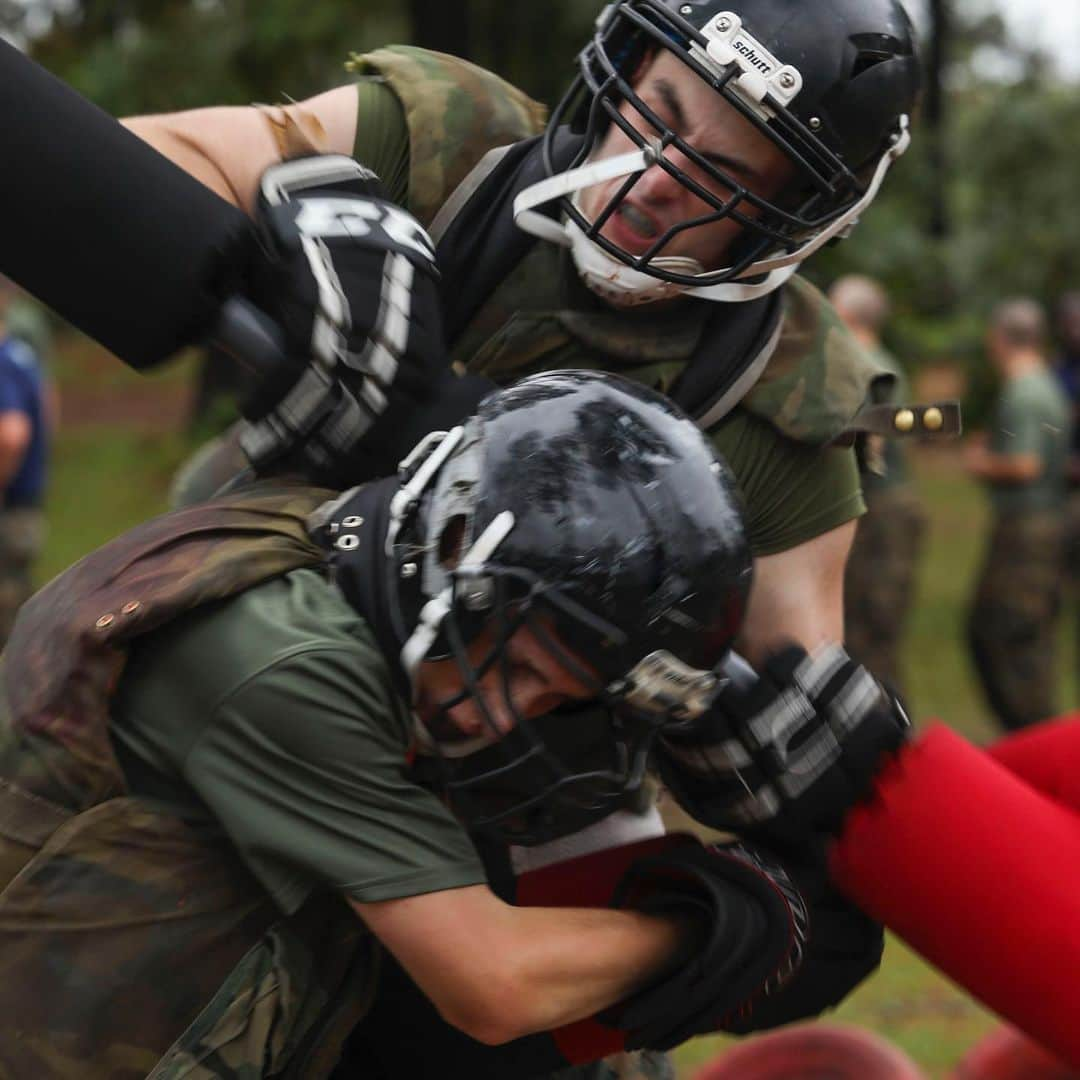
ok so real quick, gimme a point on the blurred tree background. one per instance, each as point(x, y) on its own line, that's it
point(152, 55)
point(981, 207)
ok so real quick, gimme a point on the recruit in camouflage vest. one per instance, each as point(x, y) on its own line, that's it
point(817, 380)
point(135, 946)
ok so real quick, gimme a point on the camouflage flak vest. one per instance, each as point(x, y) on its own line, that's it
point(134, 945)
point(786, 359)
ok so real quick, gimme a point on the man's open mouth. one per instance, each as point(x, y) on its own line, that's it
point(640, 223)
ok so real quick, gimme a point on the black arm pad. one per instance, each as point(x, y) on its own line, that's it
point(104, 229)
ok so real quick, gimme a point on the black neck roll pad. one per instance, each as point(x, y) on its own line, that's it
point(101, 227)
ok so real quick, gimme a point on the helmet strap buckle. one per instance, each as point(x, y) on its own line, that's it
point(662, 685)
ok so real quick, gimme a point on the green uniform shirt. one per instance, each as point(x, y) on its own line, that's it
point(273, 716)
point(1032, 416)
point(793, 492)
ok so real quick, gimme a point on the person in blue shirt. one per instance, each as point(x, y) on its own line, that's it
point(24, 438)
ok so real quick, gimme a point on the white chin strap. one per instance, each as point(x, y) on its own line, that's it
point(432, 616)
point(624, 286)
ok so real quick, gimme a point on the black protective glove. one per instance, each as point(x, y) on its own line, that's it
point(776, 943)
point(786, 757)
point(351, 279)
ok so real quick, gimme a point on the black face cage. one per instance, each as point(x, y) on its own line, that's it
point(549, 777)
point(827, 187)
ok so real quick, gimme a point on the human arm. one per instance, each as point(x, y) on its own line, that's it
point(801, 505)
point(762, 943)
point(947, 849)
point(16, 431)
point(1013, 468)
point(229, 147)
point(1024, 425)
point(346, 272)
point(500, 972)
point(299, 754)
point(783, 753)
point(798, 596)
point(774, 943)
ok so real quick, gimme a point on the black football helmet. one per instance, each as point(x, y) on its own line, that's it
point(591, 510)
point(831, 83)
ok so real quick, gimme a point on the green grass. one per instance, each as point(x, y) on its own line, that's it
point(907, 1002)
point(106, 479)
point(103, 481)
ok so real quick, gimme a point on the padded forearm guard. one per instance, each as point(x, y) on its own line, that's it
point(102, 228)
point(980, 872)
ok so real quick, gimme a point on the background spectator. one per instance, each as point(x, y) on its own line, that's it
point(23, 452)
point(1022, 461)
point(880, 577)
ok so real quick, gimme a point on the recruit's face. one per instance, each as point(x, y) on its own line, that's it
point(537, 684)
point(716, 131)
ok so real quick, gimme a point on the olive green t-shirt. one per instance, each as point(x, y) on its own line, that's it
point(1032, 416)
point(792, 492)
point(272, 716)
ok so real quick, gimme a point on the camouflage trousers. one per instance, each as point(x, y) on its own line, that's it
point(1012, 625)
point(22, 533)
point(879, 584)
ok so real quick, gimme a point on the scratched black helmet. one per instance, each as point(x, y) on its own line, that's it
point(778, 119)
point(593, 511)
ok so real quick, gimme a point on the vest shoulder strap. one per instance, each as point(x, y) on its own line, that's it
point(70, 640)
point(479, 244)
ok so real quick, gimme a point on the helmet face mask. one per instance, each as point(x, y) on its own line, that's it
point(774, 79)
point(522, 778)
point(579, 527)
point(529, 779)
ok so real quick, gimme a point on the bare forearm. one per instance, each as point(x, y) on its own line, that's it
point(9, 466)
point(499, 972)
point(15, 433)
point(798, 596)
point(228, 148)
point(577, 962)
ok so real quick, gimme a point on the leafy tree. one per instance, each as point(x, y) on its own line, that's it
point(155, 55)
point(169, 54)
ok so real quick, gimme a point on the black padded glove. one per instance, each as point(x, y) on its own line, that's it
point(352, 281)
point(776, 943)
point(787, 757)
point(843, 948)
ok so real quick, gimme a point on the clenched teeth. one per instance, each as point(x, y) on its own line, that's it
point(638, 221)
